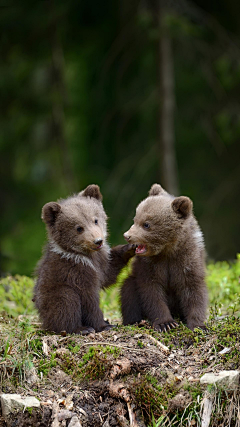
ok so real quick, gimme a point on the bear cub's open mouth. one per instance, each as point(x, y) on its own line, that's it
point(141, 249)
point(98, 247)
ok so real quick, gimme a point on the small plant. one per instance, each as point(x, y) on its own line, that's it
point(74, 349)
point(94, 364)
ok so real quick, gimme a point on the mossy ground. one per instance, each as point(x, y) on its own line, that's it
point(53, 367)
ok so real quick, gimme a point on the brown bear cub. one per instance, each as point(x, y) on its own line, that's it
point(167, 279)
point(77, 262)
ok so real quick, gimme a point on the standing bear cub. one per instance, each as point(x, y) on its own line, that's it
point(167, 279)
point(76, 264)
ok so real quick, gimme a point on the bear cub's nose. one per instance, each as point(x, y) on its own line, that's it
point(98, 241)
point(126, 236)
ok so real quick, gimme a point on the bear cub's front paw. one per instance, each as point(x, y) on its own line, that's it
point(85, 330)
point(129, 250)
point(106, 327)
point(164, 327)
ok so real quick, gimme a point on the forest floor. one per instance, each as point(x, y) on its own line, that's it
point(128, 376)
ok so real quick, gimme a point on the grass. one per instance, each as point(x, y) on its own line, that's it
point(223, 281)
point(16, 295)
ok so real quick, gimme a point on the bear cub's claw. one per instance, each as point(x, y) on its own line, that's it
point(128, 251)
point(85, 330)
point(106, 327)
point(164, 327)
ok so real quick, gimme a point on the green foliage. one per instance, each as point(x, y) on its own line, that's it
point(16, 295)
point(95, 362)
point(74, 348)
point(223, 284)
point(19, 360)
point(109, 298)
point(227, 332)
point(153, 400)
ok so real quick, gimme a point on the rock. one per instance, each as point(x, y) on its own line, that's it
point(74, 422)
point(228, 379)
point(225, 350)
point(14, 402)
point(65, 414)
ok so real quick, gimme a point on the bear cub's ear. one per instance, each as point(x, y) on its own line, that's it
point(50, 212)
point(92, 191)
point(155, 190)
point(182, 206)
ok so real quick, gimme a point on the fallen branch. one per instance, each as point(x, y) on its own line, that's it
point(207, 406)
point(161, 346)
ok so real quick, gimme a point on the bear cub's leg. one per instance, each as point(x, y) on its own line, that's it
point(130, 302)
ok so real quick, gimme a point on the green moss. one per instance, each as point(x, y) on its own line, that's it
point(227, 332)
point(30, 410)
point(181, 337)
point(95, 362)
point(45, 364)
point(74, 349)
point(36, 345)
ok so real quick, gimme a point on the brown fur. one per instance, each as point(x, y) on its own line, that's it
point(167, 279)
point(77, 262)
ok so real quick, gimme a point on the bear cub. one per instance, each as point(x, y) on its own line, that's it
point(168, 272)
point(76, 264)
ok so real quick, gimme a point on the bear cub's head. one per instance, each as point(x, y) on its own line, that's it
point(160, 222)
point(77, 224)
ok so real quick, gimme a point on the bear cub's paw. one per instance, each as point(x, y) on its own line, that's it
point(129, 250)
point(85, 330)
point(196, 325)
point(106, 328)
point(164, 327)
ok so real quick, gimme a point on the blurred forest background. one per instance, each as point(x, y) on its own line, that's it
point(122, 94)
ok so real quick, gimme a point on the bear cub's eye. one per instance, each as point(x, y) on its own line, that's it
point(146, 225)
point(79, 229)
point(96, 221)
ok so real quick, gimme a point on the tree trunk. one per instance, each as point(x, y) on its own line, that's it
point(59, 102)
point(168, 162)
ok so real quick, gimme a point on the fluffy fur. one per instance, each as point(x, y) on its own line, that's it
point(76, 264)
point(167, 279)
